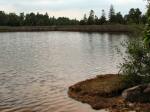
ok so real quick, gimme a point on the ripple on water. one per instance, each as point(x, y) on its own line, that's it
point(36, 69)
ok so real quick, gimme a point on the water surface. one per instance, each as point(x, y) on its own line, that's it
point(36, 69)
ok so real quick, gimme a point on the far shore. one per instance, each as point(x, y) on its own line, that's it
point(75, 28)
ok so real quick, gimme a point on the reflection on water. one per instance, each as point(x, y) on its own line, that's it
point(36, 69)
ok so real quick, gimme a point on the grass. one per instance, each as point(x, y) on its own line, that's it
point(82, 28)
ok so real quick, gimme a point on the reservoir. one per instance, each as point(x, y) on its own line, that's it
point(36, 68)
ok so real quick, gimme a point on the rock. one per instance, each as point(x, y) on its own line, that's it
point(140, 93)
point(147, 90)
point(131, 105)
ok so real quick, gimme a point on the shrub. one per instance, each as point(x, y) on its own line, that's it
point(136, 65)
point(147, 34)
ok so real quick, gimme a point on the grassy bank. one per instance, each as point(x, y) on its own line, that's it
point(80, 28)
point(104, 92)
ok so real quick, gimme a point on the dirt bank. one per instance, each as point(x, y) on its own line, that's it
point(104, 92)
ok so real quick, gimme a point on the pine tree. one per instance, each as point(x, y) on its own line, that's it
point(103, 18)
point(112, 14)
point(91, 19)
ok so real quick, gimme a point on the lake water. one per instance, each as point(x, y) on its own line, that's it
point(36, 68)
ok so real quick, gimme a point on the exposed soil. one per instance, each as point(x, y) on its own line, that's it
point(104, 92)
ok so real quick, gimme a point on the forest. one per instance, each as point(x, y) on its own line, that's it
point(134, 16)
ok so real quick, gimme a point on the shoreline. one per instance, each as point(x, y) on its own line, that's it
point(104, 92)
point(74, 28)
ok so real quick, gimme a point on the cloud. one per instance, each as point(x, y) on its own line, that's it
point(70, 8)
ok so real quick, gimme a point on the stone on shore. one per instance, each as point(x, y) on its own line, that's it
point(140, 93)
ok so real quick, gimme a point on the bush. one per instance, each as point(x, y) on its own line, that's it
point(136, 65)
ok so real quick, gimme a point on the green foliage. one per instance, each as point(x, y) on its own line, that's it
point(134, 16)
point(32, 19)
point(136, 66)
point(13, 20)
point(119, 18)
point(84, 21)
point(148, 8)
point(21, 19)
point(143, 19)
point(147, 30)
point(147, 34)
point(3, 18)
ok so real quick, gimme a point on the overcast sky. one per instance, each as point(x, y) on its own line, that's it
point(69, 8)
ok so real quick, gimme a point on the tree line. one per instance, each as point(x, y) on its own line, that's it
point(134, 16)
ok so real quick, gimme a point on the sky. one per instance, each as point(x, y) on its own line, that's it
point(70, 8)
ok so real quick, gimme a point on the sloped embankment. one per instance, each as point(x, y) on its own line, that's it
point(104, 92)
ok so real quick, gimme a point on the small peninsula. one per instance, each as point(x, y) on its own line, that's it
point(104, 92)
